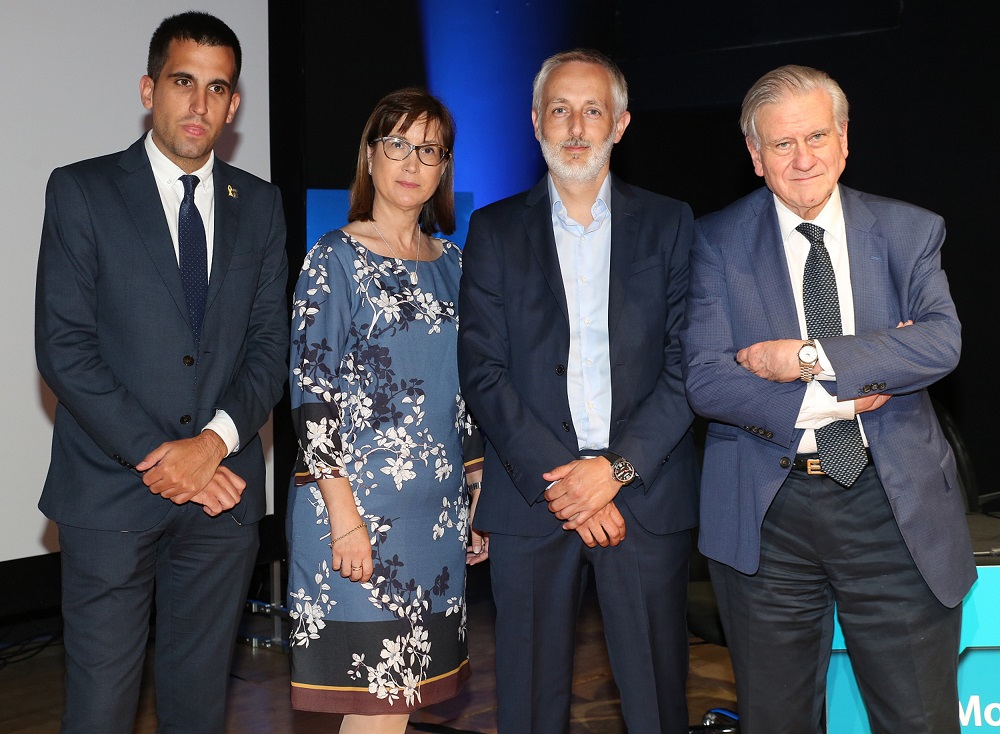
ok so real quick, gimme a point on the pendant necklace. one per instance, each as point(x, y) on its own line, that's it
point(416, 262)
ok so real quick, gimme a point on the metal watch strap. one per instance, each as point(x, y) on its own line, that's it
point(806, 368)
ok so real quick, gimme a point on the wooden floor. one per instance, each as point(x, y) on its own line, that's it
point(31, 689)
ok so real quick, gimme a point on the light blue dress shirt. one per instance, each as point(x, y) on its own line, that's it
point(585, 263)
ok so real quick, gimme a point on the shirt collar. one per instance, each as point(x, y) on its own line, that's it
point(831, 218)
point(600, 209)
point(167, 172)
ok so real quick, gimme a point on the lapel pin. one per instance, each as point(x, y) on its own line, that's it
point(233, 192)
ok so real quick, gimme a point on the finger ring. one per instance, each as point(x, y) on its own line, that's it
point(355, 568)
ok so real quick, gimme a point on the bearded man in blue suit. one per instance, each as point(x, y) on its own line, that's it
point(827, 479)
point(571, 304)
point(162, 329)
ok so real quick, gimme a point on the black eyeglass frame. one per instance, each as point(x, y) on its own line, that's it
point(446, 154)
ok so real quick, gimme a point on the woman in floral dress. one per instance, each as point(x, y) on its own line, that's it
point(379, 512)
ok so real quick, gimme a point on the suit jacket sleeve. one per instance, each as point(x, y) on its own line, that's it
point(721, 315)
point(527, 446)
point(263, 370)
point(662, 418)
point(67, 344)
point(903, 360)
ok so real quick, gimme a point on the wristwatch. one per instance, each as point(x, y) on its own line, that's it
point(621, 468)
point(808, 357)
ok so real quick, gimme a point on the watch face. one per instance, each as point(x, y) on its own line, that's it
point(623, 471)
point(808, 353)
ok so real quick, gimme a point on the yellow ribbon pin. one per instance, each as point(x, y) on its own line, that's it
point(233, 192)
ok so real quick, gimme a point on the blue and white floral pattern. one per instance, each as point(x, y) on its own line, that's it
point(375, 399)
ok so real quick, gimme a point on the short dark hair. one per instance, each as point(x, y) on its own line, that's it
point(404, 107)
point(202, 28)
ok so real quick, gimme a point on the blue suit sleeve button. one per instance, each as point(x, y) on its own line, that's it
point(185, 419)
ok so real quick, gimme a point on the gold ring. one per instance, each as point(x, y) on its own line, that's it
point(355, 568)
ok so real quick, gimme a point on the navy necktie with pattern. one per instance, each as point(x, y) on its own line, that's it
point(193, 255)
point(842, 454)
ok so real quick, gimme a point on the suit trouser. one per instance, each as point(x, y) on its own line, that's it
point(822, 544)
point(538, 585)
point(199, 568)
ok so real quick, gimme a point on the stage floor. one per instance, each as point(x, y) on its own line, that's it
point(31, 690)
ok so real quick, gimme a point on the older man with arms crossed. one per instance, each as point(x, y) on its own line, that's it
point(571, 303)
point(161, 327)
point(818, 316)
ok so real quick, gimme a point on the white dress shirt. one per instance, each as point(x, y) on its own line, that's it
point(819, 408)
point(167, 175)
point(585, 264)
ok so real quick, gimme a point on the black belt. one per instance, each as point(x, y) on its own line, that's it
point(809, 463)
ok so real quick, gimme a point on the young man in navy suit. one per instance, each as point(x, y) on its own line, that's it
point(817, 318)
point(162, 329)
point(571, 303)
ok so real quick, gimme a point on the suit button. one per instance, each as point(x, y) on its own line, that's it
point(768, 435)
point(785, 462)
point(866, 389)
point(565, 426)
point(188, 360)
point(185, 419)
point(560, 369)
point(881, 386)
point(508, 467)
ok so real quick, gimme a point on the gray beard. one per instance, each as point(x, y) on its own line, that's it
point(587, 172)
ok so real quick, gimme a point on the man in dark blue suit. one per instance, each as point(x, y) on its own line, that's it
point(571, 304)
point(827, 479)
point(162, 329)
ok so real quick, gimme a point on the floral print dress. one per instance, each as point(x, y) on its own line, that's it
point(375, 398)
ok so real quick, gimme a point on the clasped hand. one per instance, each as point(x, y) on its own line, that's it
point(582, 495)
point(190, 470)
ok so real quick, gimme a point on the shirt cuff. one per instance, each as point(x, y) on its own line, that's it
point(826, 369)
point(225, 429)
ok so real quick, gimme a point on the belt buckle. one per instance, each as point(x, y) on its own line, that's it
point(812, 467)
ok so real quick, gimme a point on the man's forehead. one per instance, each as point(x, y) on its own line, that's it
point(808, 109)
point(597, 102)
point(577, 75)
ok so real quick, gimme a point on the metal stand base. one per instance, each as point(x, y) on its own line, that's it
point(277, 636)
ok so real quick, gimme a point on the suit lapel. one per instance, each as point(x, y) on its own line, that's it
point(625, 218)
point(538, 225)
point(138, 190)
point(868, 256)
point(766, 254)
point(227, 219)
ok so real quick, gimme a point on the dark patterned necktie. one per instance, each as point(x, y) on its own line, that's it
point(842, 454)
point(193, 248)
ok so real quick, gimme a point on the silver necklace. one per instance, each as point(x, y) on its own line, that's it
point(416, 262)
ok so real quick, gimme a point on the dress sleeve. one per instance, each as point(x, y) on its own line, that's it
point(472, 444)
point(321, 323)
